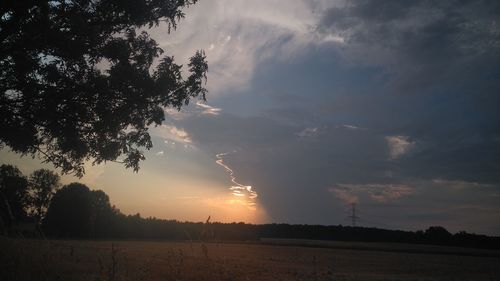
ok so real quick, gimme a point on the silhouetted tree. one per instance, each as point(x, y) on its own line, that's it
point(103, 215)
point(76, 211)
point(438, 235)
point(43, 184)
point(69, 213)
point(76, 79)
point(13, 194)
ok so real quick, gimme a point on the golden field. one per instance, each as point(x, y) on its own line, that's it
point(151, 260)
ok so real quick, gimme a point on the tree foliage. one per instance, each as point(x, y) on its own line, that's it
point(77, 211)
point(70, 211)
point(13, 193)
point(82, 80)
point(43, 184)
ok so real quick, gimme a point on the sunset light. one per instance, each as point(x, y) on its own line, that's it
point(249, 140)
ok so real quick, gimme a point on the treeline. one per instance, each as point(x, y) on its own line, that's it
point(75, 211)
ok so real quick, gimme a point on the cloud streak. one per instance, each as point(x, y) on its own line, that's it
point(207, 109)
point(381, 193)
point(244, 193)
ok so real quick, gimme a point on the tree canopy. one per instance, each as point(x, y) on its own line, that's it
point(70, 207)
point(13, 193)
point(24, 197)
point(43, 184)
point(81, 80)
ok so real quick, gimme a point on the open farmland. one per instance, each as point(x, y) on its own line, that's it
point(141, 260)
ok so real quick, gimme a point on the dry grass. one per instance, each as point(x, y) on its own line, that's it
point(138, 260)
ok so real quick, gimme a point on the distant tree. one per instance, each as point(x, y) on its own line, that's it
point(13, 193)
point(77, 81)
point(78, 212)
point(103, 215)
point(69, 212)
point(438, 235)
point(43, 184)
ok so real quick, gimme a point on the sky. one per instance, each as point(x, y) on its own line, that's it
point(313, 106)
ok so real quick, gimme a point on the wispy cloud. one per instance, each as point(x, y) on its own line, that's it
point(350, 127)
point(207, 109)
point(173, 136)
point(382, 193)
point(245, 192)
point(175, 114)
point(459, 184)
point(180, 134)
point(238, 34)
point(308, 132)
point(345, 195)
point(398, 146)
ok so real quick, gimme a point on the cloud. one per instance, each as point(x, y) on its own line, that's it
point(350, 127)
point(237, 35)
point(308, 133)
point(175, 115)
point(455, 204)
point(420, 42)
point(207, 109)
point(173, 136)
point(399, 97)
point(200, 108)
point(160, 153)
point(381, 193)
point(245, 194)
point(387, 193)
point(180, 134)
point(398, 146)
point(345, 195)
point(460, 184)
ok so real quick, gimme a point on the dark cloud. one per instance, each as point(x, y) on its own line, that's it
point(423, 43)
point(419, 30)
point(402, 116)
point(394, 104)
point(293, 167)
point(440, 59)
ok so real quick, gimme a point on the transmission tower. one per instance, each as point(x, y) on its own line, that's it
point(353, 216)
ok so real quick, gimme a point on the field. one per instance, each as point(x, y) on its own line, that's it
point(143, 260)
